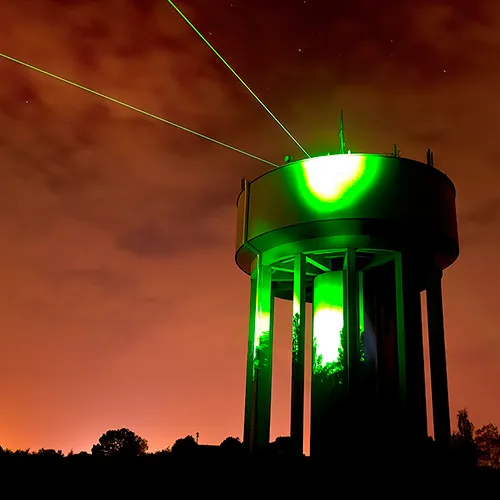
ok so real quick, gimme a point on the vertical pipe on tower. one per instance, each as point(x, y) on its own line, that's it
point(437, 355)
point(298, 353)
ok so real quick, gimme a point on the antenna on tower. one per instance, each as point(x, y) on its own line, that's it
point(341, 133)
point(430, 158)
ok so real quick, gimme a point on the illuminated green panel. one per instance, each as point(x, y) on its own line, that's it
point(334, 182)
point(328, 389)
point(328, 322)
point(262, 317)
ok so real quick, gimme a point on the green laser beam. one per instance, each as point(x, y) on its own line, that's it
point(138, 110)
point(228, 66)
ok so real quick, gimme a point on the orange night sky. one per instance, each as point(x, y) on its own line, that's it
point(120, 303)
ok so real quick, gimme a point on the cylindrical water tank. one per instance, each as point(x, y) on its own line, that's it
point(348, 200)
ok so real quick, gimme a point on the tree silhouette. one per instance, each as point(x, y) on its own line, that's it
point(231, 444)
point(487, 439)
point(185, 446)
point(49, 453)
point(463, 439)
point(162, 453)
point(465, 426)
point(120, 443)
point(282, 445)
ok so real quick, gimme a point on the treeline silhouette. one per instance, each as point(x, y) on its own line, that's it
point(120, 461)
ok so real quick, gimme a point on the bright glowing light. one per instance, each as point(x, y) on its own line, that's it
point(262, 316)
point(328, 323)
point(262, 321)
point(328, 317)
point(328, 178)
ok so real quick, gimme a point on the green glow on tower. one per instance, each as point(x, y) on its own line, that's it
point(328, 321)
point(331, 183)
point(329, 180)
point(263, 315)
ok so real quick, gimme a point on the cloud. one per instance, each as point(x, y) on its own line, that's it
point(485, 215)
point(110, 281)
point(150, 240)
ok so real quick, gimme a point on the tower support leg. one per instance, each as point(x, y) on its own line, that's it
point(249, 425)
point(351, 320)
point(259, 360)
point(437, 355)
point(410, 351)
point(298, 354)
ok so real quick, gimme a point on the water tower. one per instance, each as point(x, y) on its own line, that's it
point(359, 236)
